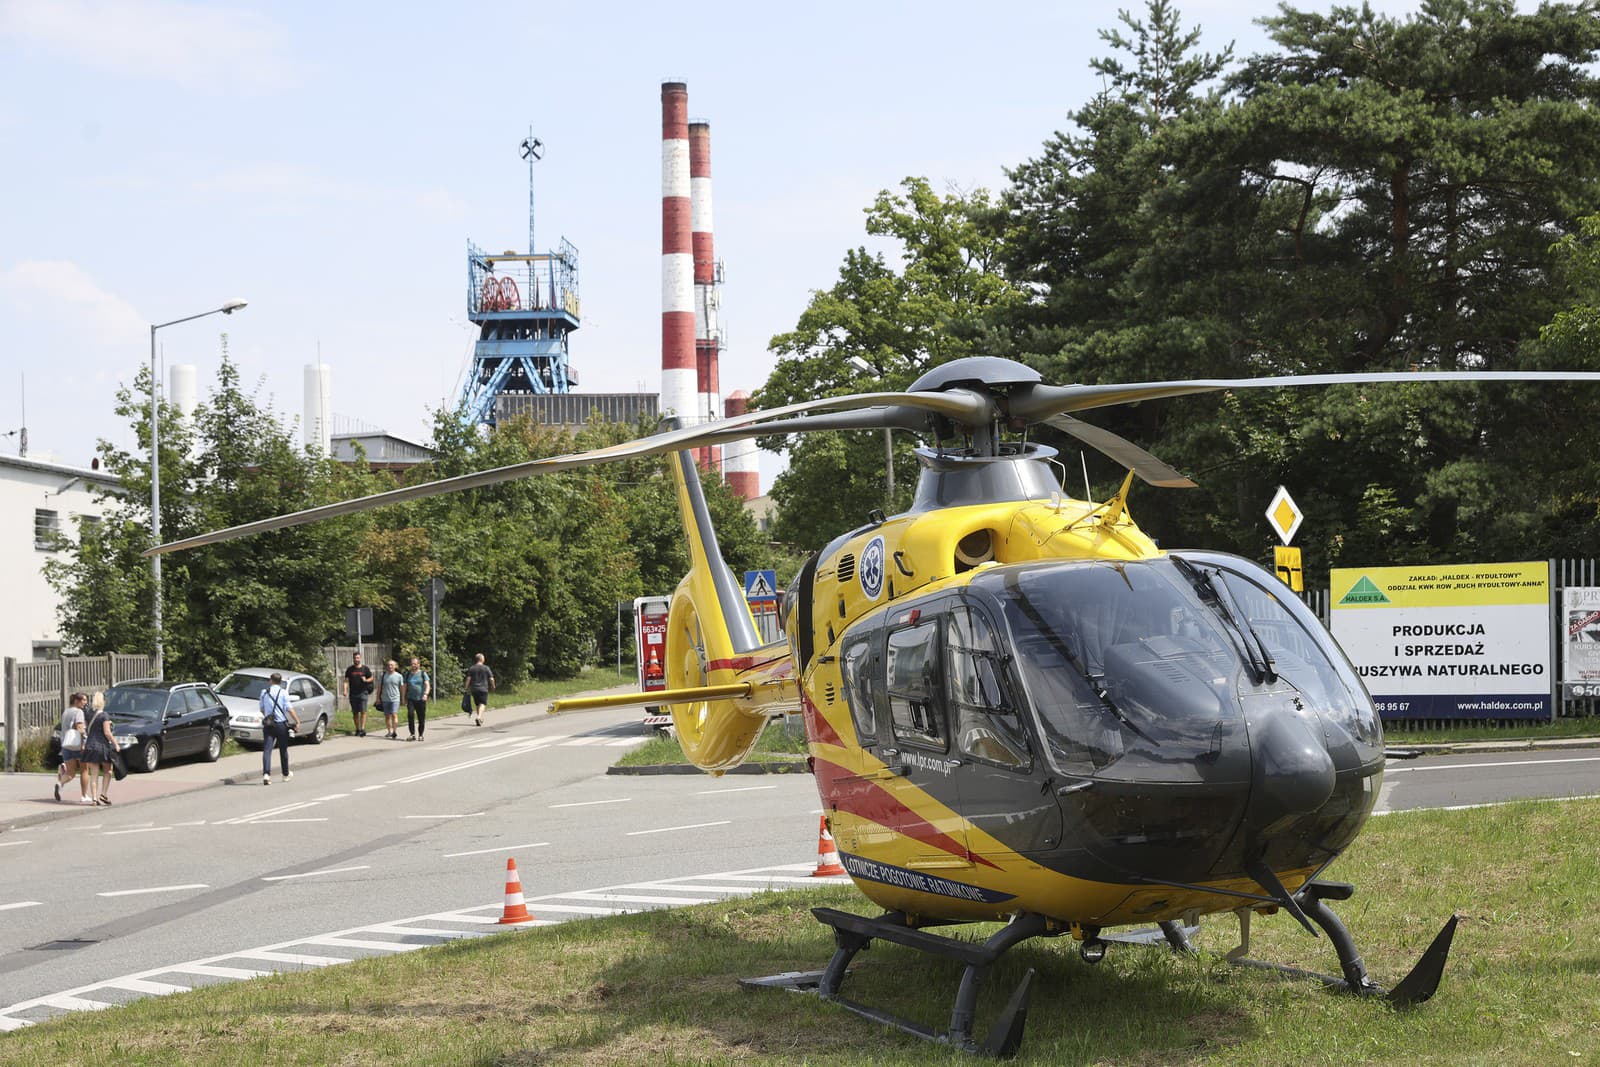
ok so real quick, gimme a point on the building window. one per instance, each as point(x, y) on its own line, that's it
point(88, 524)
point(46, 530)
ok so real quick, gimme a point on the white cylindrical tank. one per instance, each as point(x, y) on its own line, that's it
point(317, 422)
point(182, 392)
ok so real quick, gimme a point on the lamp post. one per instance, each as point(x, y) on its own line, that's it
point(888, 438)
point(155, 474)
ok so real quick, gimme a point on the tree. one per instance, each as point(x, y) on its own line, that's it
point(899, 321)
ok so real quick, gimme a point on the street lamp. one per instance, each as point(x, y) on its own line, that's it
point(155, 474)
point(888, 437)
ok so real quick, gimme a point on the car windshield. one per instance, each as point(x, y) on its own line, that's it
point(135, 703)
point(243, 685)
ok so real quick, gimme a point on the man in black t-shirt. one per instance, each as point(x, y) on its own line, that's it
point(357, 687)
point(480, 679)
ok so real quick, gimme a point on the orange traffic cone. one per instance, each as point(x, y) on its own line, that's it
point(515, 910)
point(827, 854)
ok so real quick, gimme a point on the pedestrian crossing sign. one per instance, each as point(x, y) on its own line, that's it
point(761, 585)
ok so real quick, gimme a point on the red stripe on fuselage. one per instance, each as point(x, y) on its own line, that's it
point(849, 792)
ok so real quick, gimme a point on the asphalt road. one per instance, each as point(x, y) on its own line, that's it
point(425, 828)
point(409, 848)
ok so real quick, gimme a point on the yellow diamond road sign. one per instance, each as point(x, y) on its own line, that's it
point(1283, 514)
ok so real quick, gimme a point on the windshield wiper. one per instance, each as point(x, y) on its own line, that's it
point(1217, 593)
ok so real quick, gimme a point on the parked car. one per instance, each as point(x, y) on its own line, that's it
point(241, 695)
point(155, 721)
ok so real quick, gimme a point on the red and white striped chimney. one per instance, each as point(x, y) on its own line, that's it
point(679, 378)
point(706, 294)
point(739, 468)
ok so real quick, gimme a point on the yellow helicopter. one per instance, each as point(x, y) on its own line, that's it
point(1019, 709)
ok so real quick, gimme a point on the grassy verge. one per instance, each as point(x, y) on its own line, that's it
point(774, 745)
point(1586, 726)
point(659, 988)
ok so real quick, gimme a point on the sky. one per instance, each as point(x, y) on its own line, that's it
point(328, 163)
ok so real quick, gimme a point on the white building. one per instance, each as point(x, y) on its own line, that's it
point(38, 501)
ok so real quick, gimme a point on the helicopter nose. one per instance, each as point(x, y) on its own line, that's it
point(1292, 773)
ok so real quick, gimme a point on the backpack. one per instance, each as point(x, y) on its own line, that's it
point(416, 685)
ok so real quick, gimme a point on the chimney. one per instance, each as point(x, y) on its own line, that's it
point(316, 423)
point(679, 379)
point(739, 468)
point(707, 295)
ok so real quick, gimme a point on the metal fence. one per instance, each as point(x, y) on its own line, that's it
point(37, 690)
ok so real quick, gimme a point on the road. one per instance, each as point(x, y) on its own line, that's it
point(420, 830)
point(409, 848)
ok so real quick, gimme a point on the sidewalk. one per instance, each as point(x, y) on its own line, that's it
point(26, 799)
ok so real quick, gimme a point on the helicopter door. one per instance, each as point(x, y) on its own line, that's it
point(922, 805)
point(1006, 808)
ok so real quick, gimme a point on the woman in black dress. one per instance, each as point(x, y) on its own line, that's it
point(99, 743)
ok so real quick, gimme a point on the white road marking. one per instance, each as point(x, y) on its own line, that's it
point(426, 931)
point(688, 826)
point(590, 803)
point(626, 742)
point(1498, 763)
point(153, 889)
point(211, 970)
point(360, 942)
point(698, 887)
point(470, 764)
point(192, 822)
point(368, 788)
point(593, 909)
point(333, 796)
point(67, 1003)
point(1494, 804)
point(140, 830)
point(579, 742)
point(12, 1024)
point(741, 789)
point(265, 813)
point(290, 957)
point(638, 898)
point(8, 844)
point(140, 985)
point(308, 874)
point(503, 848)
point(21, 904)
point(276, 822)
point(468, 815)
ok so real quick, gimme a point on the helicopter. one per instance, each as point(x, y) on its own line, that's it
point(1020, 709)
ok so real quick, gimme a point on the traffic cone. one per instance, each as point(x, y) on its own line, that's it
point(827, 854)
point(515, 910)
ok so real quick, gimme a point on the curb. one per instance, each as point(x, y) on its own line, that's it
point(787, 767)
point(1458, 748)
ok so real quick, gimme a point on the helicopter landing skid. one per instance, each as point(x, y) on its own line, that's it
point(852, 933)
point(1413, 989)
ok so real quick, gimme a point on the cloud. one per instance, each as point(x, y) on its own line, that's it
point(62, 290)
point(194, 45)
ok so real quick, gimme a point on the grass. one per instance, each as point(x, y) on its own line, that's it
point(1574, 726)
point(775, 744)
point(659, 988)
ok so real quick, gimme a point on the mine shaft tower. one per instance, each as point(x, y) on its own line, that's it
point(524, 306)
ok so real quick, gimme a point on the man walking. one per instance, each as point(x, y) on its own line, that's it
point(276, 715)
point(419, 687)
point(357, 688)
point(480, 679)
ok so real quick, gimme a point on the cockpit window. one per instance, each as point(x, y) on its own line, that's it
point(988, 725)
point(1120, 659)
point(857, 666)
point(914, 687)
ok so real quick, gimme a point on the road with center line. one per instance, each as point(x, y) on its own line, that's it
point(408, 848)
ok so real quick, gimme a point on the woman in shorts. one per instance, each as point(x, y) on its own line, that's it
point(72, 765)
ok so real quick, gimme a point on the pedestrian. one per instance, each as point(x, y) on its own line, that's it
point(419, 687)
point(99, 748)
point(73, 726)
point(480, 679)
point(357, 688)
point(277, 719)
point(389, 699)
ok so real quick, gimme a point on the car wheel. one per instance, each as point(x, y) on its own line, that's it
point(320, 731)
point(214, 746)
point(149, 756)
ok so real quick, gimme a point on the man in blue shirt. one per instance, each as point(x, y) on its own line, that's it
point(277, 713)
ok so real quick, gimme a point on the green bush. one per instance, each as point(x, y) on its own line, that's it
point(33, 752)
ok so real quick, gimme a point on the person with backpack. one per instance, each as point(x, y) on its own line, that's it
point(419, 687)
point(277, 713)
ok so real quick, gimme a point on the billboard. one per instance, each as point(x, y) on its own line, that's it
point(1580, 641)
point(1456, 641)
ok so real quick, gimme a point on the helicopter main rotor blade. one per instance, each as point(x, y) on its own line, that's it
point(891, 417)
point(1038, 402)
point(961, 406)
point(1124, 451)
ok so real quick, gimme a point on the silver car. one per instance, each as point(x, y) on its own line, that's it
point(241, 695)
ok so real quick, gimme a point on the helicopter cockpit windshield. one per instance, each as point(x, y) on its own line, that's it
point(1147, 667)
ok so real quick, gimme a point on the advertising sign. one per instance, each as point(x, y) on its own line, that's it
point(1580, 646)
point(1456, 641)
